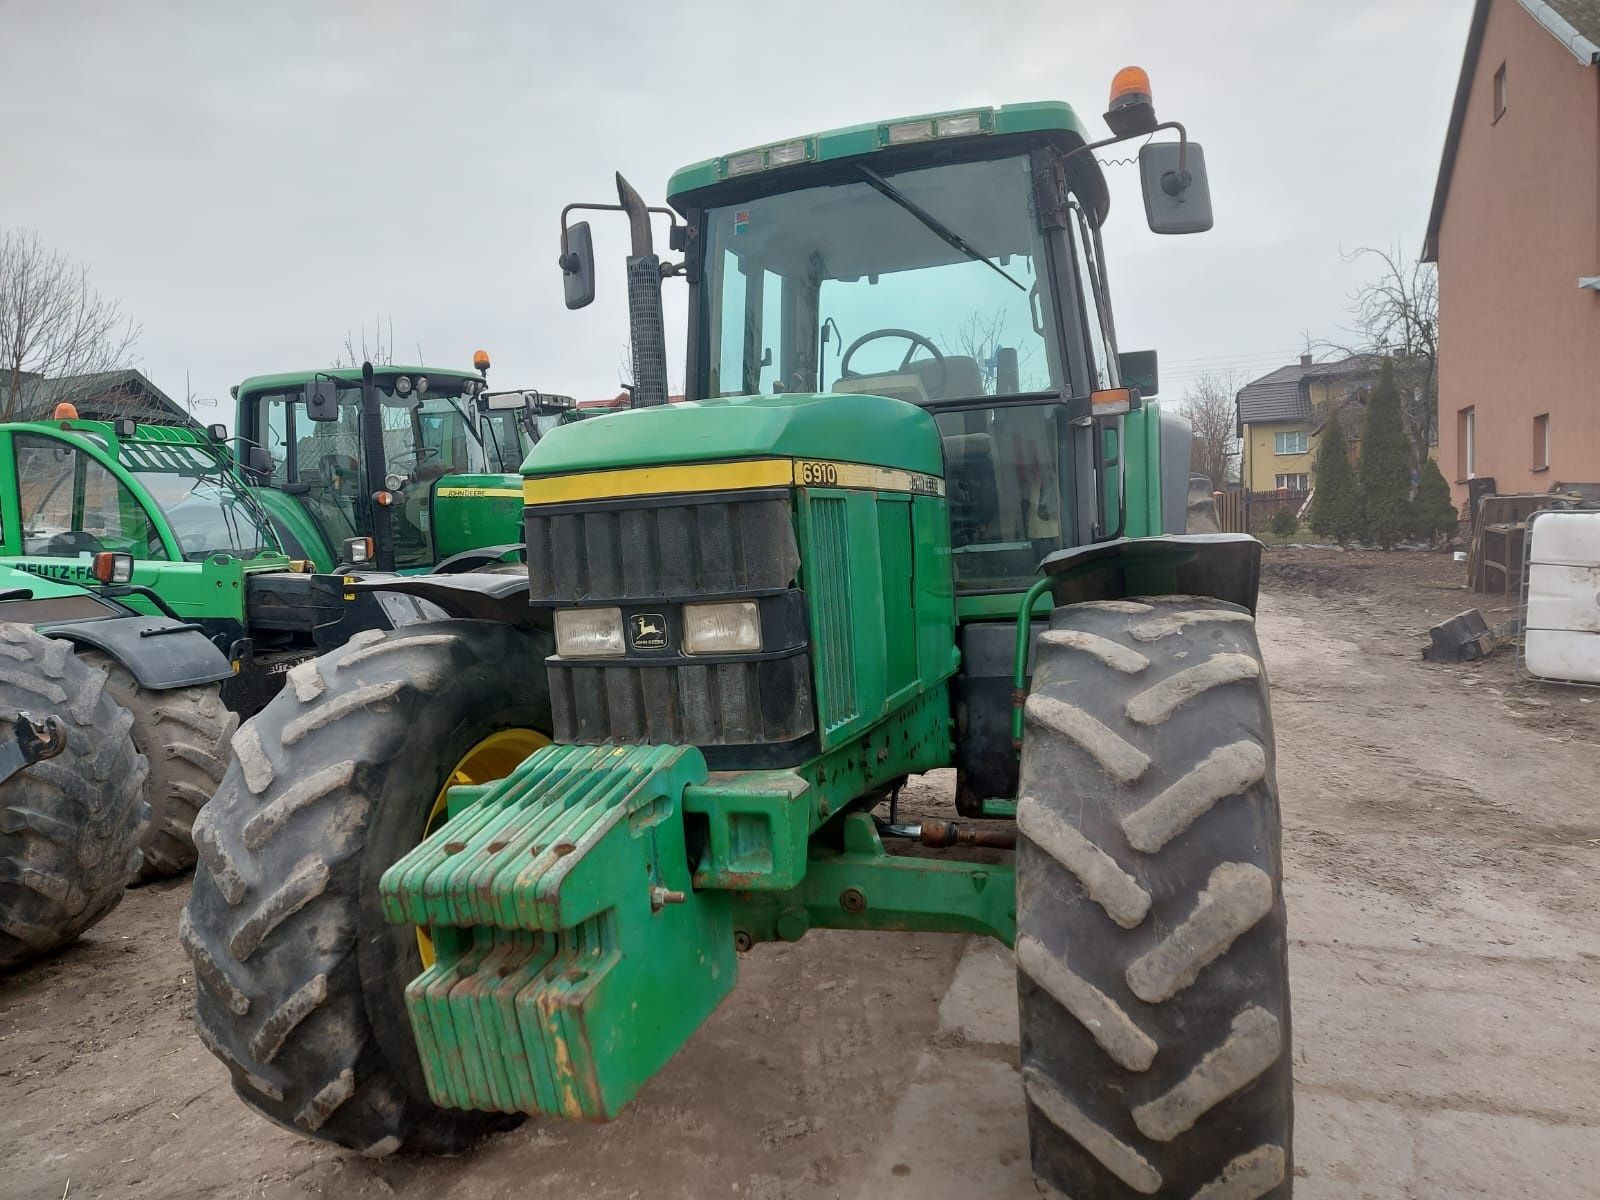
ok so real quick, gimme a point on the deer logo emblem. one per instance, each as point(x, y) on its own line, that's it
point(649, 631)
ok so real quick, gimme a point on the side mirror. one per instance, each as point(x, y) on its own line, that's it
point(1138, 370)
point(260, 462)
point(1174, 201)
point(322, 400)
point(577, 266)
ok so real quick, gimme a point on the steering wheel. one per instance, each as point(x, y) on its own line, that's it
point(73, 541)
point(916, 340)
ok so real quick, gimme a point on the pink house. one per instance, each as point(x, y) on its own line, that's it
point(1515, 230)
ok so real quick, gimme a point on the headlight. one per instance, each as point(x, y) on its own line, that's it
point(589, 632)
point(721, 628)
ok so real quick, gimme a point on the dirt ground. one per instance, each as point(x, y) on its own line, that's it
point(1442, 842)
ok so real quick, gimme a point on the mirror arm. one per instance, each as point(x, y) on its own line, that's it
point(671, 215)
point(1183, 149)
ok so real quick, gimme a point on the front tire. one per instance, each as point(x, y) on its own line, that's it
point(1151, 948)
point(184, 733)
point(70, 826)
point(299, 979)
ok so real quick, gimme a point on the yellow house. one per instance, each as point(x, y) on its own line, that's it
point(1279, 419)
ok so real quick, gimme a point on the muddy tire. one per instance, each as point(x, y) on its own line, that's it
point(1151, 955)
point(299, 979)
point(184, 733)
point(69, 825)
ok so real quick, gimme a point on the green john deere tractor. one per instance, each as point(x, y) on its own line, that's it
point(915, 514)
point(140, 546)
point(393, 467)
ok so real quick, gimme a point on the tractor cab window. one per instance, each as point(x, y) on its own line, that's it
point(502, 440)
point(71, 504)
point(273, 435)
point(924, 284)
point(1003, 482)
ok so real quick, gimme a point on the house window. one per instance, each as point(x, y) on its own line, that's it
point(1466, 444)
point(1541, 441)
point(1293, 483)
point(1289, 443)
point(1499, 93)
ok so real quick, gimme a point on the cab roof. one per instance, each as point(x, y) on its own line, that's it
point(295, 379)
point(1046, 117)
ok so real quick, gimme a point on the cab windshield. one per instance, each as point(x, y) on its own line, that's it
point(932, 286)
point(201, 499)
point(859, 287)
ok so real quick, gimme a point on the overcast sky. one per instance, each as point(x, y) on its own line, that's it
point(255, 181)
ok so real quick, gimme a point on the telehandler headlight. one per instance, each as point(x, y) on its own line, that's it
point(729, 628)
point(589, 632)
point(111, 567)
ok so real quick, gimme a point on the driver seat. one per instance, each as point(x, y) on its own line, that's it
point(962, 378)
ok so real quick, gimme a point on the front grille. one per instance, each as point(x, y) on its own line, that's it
point(641, 549)
point(649, 556)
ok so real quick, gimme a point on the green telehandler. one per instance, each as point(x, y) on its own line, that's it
point(141, 546)
point(505, 863)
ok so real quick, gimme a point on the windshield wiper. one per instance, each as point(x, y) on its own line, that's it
point(949, 236)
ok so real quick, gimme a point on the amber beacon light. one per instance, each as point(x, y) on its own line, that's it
point(1131, 109)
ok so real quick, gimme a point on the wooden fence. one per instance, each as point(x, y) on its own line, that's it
point(1261, 507)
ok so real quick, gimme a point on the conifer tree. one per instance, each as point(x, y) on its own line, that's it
point(1336, 507)
point(1386, 514)
point(1436, 517)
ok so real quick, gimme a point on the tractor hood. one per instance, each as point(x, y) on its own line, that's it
point(874, 430)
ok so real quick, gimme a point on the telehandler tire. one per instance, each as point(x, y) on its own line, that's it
point(184, 733)
point(69, 825)
point(1151, 953)
point(300, 981)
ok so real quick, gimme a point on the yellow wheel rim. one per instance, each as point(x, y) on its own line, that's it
point(493, 758)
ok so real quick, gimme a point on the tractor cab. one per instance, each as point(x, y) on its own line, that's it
point(936, 284)
point(512, 423)
point(322, 484)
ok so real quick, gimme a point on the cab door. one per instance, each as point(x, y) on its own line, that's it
point(63, 504)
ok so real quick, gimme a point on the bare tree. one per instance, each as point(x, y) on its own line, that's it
point(1208, 402)
point(979, 338)
point(380, 352)
point(55, 327)
point(1396, 316)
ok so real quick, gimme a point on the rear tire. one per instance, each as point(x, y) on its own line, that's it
point(69, 825)
point(299, 979)
point(184, 734)
point(1151, 949)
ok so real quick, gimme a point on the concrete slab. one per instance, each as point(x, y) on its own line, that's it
point(981, 1004)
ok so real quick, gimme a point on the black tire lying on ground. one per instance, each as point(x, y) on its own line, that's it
point(184, 734)
point(300, 982)
point(1151, 950)
point(69, 825)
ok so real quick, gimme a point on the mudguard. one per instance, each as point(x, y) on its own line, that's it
point(1225, 566)
point(485, 595)
point(160, 653)
point(471, 560)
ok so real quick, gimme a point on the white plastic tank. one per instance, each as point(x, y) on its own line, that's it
point(1561, 628)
